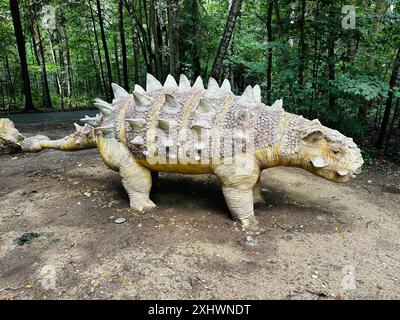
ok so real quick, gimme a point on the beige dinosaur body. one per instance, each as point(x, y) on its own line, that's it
point(190, 129)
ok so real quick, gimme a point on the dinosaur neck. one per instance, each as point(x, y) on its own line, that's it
point(282, 153)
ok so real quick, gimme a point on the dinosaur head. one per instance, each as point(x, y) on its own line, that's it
point(327, 153)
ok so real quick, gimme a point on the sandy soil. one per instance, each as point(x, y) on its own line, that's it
point(322, 240)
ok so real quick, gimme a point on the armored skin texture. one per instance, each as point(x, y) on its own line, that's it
point(186, 128)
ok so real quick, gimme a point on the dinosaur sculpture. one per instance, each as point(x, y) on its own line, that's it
point(186, 128)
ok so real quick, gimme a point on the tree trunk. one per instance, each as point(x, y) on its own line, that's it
point(116, 53)
point(234, 13)
point(389, 101)
point(98, 51)
point(96, 72)
point(14, 7)
point(269, 50)
point(173, 38)
point(302, 43)
point(195, 50)
point(155, 37)
point(123, 45)
point(135, 43)
point(104, 42)
point(41, 59)
point(54, 60)
point(395, 114)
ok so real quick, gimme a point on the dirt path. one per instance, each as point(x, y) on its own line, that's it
point(322, 240)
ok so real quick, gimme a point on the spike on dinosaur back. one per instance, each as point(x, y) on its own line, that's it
point(105, 108)
point(136, 124)
point(91, 121)
point(248, 94)
point(226, 86)
point(184, 83)
point(170, 83)
point(257, 93)
point(198, 84)
point(143, 102)
point(171, 104)
point(152, 84)
point(139, 89)
point(167, 124)
point(119, 92)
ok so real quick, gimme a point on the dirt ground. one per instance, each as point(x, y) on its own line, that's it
point(322, 240)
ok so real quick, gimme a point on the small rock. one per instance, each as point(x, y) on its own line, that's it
point(250, 241)
point(87, 194)
point(120, 220)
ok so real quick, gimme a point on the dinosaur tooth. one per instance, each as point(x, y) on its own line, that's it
point(205, 107)
point(226, 86)
point(257, 93)
point(171, 104)
point(119, 92)
point(342, 172)
point(198, 84)
point(137, 124)
point(138, 141)
point(152, 84)
point(143, 102)
point(105, 108)
point(184, 83)
point(167, 124)
point(248, 94)
point(319, 162)
point(170, 82)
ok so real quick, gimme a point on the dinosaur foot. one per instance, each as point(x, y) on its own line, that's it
point(250, 225)
point(142, 205)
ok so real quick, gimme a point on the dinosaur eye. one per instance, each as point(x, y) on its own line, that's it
point(336, 151)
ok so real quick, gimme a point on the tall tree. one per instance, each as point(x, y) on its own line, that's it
point(105, 48)
point(154, 31)
point(123, 44)
point(302, 42)
point(40, 55)
point(270, 7)
point(96, 38)
point(173, 38)
point(19, 36)
point(233, 15)
point(389, 101)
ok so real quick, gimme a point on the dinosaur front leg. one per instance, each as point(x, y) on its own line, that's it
point(238, 179)
point(135, 178)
